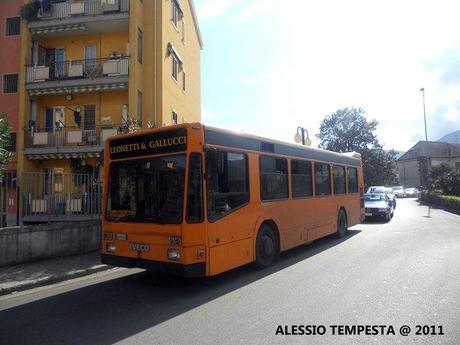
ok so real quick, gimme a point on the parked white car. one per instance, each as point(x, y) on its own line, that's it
point(398, 191)
point(412, 192)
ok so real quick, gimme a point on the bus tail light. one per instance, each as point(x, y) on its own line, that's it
point(173, 254)
point(111, 247)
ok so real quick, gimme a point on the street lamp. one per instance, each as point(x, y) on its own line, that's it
point(300, 137)
point(424, 112)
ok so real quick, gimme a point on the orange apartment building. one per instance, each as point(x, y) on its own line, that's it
point(10, 52)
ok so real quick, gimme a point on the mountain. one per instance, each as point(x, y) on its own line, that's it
point(453, 138)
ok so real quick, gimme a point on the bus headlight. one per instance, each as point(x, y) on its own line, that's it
point(173, 254)
point(111, 247)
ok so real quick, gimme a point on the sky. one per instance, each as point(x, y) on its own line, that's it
point(269, 66)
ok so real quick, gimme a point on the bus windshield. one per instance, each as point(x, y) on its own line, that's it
point(147, 191)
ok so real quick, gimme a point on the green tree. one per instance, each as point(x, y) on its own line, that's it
point(5, 150)
point(443, 178)
point(348, 130)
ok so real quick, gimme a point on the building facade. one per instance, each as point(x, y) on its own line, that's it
point(10, 41)
point(413, 166)
point(91, 69)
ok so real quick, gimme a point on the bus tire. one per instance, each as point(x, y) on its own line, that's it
point(266, 246)
point(342, 226)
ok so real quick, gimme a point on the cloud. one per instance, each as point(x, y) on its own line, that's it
point(292, 62)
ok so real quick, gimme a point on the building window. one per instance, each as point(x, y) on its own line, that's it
point(301, 179)
point(175, 12)
point(174, 118)
point(13, 26)
point(10, 83)
point(352, 180)
point(12, 144)
point(183, 81)
point(227, 183)
point(339, 179)
point(322, 179)
point(139, 108)
point(273, 178)
point(183, 31)
point(175, 66)
point(89, 121)
point(139, 45)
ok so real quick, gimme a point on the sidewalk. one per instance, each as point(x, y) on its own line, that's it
point(45, 272)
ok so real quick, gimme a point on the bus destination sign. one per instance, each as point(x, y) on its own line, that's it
point(148, 144)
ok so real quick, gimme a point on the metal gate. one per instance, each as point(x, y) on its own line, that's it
point(48, 197)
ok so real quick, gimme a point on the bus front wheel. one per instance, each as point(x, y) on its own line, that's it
point(342, 226)
point(266, 246)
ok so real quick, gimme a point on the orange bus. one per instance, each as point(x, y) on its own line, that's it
point(195, 200)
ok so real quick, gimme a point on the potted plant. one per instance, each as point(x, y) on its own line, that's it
point(30, 10)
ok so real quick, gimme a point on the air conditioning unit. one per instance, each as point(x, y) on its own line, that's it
point(77, 8)
point(110, 5)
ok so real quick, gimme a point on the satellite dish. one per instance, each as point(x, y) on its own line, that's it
point(297, 138)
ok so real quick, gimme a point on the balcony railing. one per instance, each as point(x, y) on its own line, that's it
point(78, 69)
point(71, 9)
point(70, 136)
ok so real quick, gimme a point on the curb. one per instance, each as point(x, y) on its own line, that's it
point(439, 207)
point(53, 279)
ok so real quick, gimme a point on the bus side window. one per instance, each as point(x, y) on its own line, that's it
point(352, 180)
point(227, 183)
point(195, 197)
point(273, 178)
point(322, 179)
point(339, 179)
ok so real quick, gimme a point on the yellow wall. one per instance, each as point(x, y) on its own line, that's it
point(160, 93)
point(108, 104)
point(136, 71)
point(187, 104)
point(105, 42)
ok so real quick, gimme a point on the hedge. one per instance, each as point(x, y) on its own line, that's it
point(436, 198)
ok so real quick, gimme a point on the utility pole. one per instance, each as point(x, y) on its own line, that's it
point(424, 112)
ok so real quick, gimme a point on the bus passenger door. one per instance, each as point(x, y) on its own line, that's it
point(229, 231)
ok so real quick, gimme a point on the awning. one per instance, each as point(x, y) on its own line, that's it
point(171, 50)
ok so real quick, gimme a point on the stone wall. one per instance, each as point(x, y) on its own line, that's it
point(35, 242)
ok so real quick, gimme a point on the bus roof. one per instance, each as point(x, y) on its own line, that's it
point(227, 138)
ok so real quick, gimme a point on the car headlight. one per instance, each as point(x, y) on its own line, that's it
point(383, 209)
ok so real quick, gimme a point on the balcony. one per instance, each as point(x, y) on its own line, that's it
point(68, 142)
point(77, 17)
point(78, 76)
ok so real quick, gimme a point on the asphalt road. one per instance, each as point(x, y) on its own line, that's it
point(405, 272)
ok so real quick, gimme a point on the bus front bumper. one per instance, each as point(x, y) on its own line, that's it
point(192, 270)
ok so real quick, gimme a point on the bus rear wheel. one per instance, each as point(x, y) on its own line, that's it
point(342, 226)
point(266, 246)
